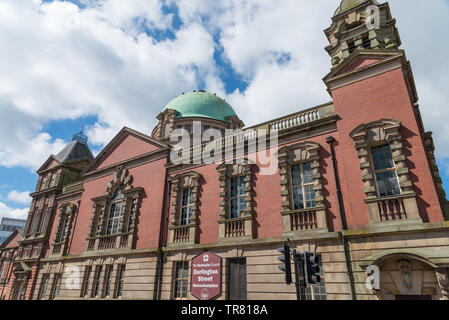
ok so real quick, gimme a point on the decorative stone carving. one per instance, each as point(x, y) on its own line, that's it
point(165, 126)
point(243, 226)
point(184, 234)
point(406, 273)
point(128, 222)
point(120, 176)
point(375, 133)
point(66, 211)
point(302, 152)
point(443, 281)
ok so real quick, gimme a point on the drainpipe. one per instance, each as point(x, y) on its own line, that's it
point(330, 140)
point(163, 240)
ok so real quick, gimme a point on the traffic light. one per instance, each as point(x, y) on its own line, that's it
point(311, 268)
point(285, 258)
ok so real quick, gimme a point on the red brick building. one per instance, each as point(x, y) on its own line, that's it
point(355, 182)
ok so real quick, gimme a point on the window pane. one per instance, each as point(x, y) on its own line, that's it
point(298, 199)
point(234, 187)
point(387, 183)
point(310, 197)
point(237, 197)
point(382, 158)
point(308, 172)
point(296, 175)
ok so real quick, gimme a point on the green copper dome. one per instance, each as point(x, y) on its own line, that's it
point(201, 105)
point(349, 4)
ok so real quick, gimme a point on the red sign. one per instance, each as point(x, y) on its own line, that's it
point(206, 276)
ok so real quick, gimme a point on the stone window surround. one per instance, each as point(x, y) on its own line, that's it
point(41, 208)
point(66, 210)
point(128, 223)
point(288, 156)
point(374, 134)
point(179, 183)
point(242, 167)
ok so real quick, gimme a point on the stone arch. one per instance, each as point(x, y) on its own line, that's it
point(409, 275)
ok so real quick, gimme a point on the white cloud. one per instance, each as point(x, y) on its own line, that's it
point(66, 62)
point(19, 197)
point(7, 212)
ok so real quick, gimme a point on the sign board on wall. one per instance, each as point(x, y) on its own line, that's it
point(205, 281)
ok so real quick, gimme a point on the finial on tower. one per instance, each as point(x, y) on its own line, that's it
point(80, 136)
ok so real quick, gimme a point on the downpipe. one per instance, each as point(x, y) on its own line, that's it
point(330, 140)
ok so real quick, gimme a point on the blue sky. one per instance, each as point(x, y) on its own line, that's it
point(99, 65)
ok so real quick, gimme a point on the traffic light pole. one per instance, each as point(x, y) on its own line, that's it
point(297, 257)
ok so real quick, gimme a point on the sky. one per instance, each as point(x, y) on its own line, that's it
point(99, 65)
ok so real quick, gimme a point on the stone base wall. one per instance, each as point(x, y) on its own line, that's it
point(264, 279)
point(139, 277)
point(411, 263)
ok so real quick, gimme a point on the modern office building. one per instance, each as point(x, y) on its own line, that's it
point(8, 226)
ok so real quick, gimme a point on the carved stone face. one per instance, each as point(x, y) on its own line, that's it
point(406, 273)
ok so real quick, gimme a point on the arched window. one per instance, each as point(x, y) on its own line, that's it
point(115, 211)
point(385, 174)
point(114, 221)
point(302, 191)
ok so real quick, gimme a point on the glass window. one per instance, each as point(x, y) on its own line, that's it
point(181, 280)
point(237, 197)
point(56, 286)
point(120, 281)
point(107, 281)
point(385, 171)
point(85, 288)
point(63, 232)
point(302, 186)
point(186, 207)
point(36, 220)
point(115, 212)
point(96, 283)
point(43, 288)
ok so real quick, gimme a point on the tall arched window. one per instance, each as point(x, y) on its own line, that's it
point(114, 221)
point(116, 211)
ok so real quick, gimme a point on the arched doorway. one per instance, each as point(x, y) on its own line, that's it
point(409, 277)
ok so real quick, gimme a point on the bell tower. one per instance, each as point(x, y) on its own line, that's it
point(361, 24)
